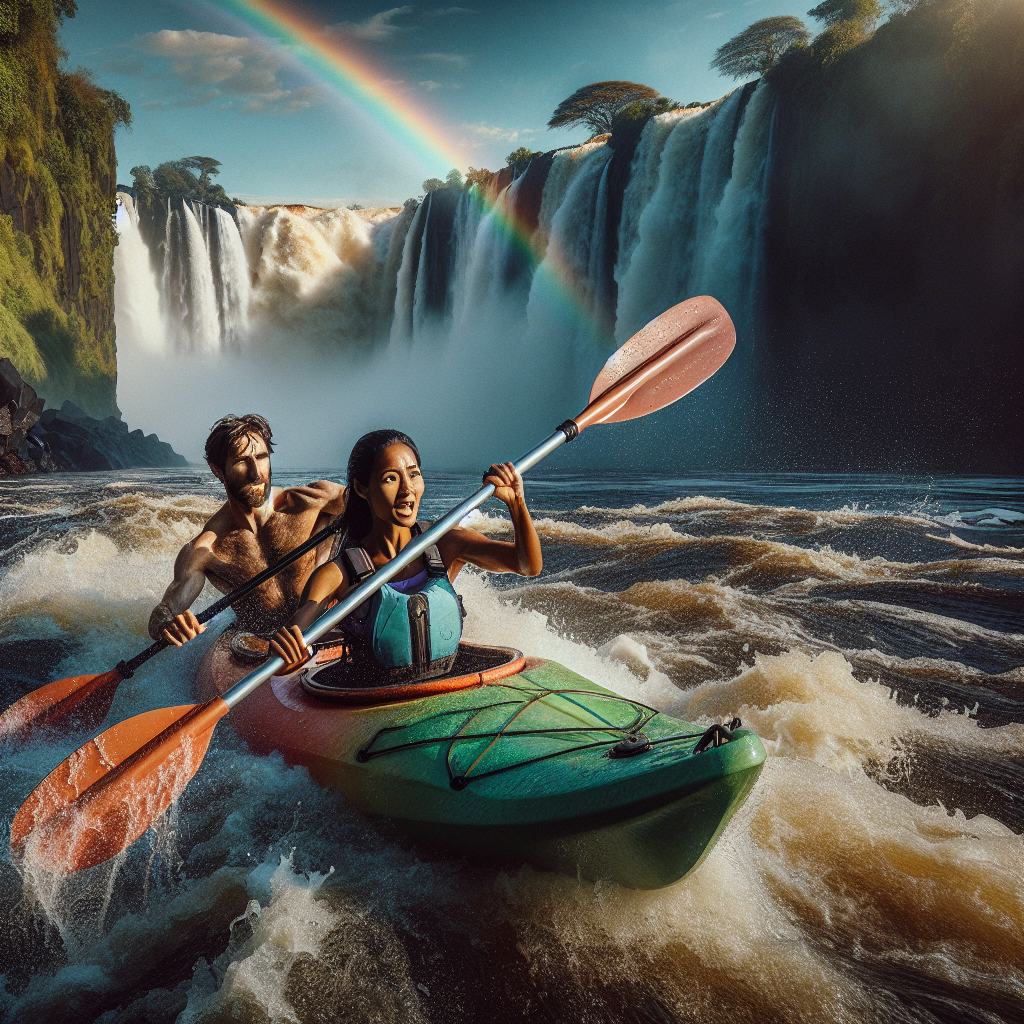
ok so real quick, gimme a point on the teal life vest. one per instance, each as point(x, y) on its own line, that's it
point(403, 634)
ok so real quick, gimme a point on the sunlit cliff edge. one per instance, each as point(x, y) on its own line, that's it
point(57, 185)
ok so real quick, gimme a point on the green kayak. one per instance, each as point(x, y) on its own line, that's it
point(509, 759)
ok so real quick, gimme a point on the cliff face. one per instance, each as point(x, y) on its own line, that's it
point(57, 187)
point(895, 247)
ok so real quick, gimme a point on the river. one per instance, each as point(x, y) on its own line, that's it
point(870, 629)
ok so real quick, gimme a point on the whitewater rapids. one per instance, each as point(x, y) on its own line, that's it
point(875, 874)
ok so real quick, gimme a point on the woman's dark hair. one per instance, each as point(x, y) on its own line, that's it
point(357, 517)
point(227, 433)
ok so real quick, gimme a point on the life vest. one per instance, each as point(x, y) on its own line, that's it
point(399, 634)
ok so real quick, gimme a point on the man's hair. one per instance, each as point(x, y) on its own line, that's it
point(229, 431)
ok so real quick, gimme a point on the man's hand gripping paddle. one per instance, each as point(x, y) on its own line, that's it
point(85, 700)
point(104, 796)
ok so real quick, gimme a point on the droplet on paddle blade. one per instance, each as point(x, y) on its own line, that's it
point(661, 363)
point(103, 797)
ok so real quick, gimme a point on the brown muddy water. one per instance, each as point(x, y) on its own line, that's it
point(870, 629)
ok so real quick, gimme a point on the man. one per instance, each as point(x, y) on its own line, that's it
point(256, 527)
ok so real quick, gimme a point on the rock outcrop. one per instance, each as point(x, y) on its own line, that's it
point(34, 439)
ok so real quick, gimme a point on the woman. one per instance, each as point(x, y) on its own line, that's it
point(411, 627)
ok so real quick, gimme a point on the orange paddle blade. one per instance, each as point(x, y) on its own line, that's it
point(105, 795)
point(86, 698)
point(671, 356)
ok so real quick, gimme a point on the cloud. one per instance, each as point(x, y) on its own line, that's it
point(208, 58)
point(445, 12)
point(455, 59)
point(376, 29)
point(494, 133)
point(227, 66)
point(429, 86)
point(717, 14)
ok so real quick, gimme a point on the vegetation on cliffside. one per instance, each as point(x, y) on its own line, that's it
point(57, 238)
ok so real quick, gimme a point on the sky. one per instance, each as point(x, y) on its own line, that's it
point(448, 86)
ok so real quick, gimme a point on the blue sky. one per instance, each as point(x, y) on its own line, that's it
point(201, 82)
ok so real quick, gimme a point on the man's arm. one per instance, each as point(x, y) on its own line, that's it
point(171, 618)
point(325, 495)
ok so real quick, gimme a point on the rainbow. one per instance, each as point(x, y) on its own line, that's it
point(353, 77)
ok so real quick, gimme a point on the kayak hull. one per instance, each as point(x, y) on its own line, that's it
point(521, 768)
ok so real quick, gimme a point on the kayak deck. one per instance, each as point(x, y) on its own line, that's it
point(542, 766)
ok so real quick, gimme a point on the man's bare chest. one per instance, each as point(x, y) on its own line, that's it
point(240, 554)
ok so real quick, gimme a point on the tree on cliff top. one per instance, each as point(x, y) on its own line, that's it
point(758, 47)
point(206, 166)
point(519, 159)
point(596, 105)
point(862, 13)
point(478, 176)
point(176, 178)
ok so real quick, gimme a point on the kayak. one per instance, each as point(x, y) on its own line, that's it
point(506, 758)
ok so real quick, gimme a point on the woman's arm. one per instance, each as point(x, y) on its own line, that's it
point(523, 556)
point(323, 584)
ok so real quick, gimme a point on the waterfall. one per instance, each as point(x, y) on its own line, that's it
point(544, 253)
point(136, 294)
point(697, 232)
point(199, 327)
point(528, 282)
point(234, 288)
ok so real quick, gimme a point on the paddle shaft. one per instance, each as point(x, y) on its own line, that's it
point(565, 433)
point(126, 669)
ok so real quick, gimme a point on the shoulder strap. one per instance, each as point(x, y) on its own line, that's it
point(435, 564)
point(357, 563)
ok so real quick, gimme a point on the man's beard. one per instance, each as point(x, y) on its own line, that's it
point(253, 496)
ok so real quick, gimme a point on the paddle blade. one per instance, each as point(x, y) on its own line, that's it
point(98, 801)
point(671, 356)
point(80, 700)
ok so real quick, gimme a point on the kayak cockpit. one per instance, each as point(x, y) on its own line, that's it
point(332, 677)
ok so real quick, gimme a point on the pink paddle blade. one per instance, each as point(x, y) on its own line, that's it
point(661, 363)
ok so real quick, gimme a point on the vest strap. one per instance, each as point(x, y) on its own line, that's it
point(359, 567)
point(432, 556)
point(358, 563)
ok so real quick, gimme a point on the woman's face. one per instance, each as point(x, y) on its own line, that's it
point(395, 486)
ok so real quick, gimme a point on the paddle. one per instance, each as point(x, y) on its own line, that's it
point(88, 698)
point(104, 796)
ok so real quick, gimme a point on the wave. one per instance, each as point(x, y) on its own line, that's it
point(842, 891)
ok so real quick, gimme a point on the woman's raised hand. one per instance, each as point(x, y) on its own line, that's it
point(508, 483)
point(289, 645)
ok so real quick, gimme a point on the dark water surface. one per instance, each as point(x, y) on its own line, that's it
point(869, 628)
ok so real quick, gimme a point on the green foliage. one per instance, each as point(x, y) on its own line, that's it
point(57, 141)
point(595, 105)
point(478, 176)
point(206, 165)
point(520, 158)
point(758, 47)
point(142, 178)
point(453, 179)
point(177, 179)
point(862, 13)
point(836, 40)
point(630, 119)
